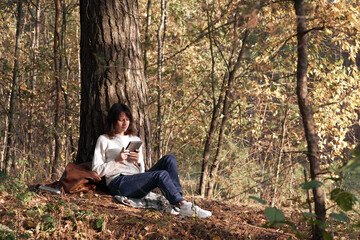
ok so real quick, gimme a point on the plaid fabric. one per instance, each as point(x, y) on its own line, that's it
point(152, 200)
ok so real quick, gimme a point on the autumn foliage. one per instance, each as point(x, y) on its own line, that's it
point(225, 104)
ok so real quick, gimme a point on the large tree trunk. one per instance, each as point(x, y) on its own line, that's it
point(9, 155)
point(307, 117)
point(111, 70)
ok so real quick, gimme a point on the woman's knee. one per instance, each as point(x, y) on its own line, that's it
point(170, 158)
point(162, 175)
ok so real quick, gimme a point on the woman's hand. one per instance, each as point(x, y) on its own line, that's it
point(123, 155)
point(134, 156)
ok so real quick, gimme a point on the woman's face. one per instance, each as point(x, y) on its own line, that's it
point(122, 124)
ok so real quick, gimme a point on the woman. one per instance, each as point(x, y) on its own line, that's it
point(124, 171)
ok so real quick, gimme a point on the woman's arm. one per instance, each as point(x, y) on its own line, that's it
point(99, 163)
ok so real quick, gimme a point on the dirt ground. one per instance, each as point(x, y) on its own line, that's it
point(100, 216)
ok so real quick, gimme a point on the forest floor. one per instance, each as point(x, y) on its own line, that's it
point(43, 215)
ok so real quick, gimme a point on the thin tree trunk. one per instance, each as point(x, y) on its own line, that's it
point(160, 41)
point(225, 113)
point(9, 155)
point(5, 142)
point(147, 36)
point(34, 73)
point(78, 41)
point(214, 119)
point(307, 117)
point(55, 170)
point(278, 165)
point(70, 149)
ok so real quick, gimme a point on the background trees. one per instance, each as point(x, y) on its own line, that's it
point(33, 117)
point(249, 132)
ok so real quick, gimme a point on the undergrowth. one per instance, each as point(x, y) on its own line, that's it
point(28, 218)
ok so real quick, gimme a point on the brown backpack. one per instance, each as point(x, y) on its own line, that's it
point(79, 178)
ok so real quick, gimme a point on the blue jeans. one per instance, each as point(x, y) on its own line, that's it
point(163, 175)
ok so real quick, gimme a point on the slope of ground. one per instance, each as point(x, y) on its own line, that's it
point(42, 215)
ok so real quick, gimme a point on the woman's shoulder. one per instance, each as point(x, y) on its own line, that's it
point(134, 138)
point(104, 137)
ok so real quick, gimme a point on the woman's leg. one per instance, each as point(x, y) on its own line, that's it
point(168, 163)
point(138, 185)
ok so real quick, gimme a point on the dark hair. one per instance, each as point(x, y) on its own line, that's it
point(113, 116)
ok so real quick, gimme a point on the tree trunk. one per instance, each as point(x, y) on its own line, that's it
point(307, 117)
point(77, 34)
point(55, 170)
point(4, 146)
point(147, 36)
point(9, 162)
point(32, 87)
point(111, 71)
point(160, 39)
point(214, 118)
point(279, 160)
point(225, 113)
point(70, 149)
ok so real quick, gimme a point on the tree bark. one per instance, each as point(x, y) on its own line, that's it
point(9, 161)
point(112, 70)
point(307, 117)
point(55, 168)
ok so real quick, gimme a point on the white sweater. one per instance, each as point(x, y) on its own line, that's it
point(107, 150)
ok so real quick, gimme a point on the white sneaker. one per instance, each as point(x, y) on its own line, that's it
point(188, 209)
